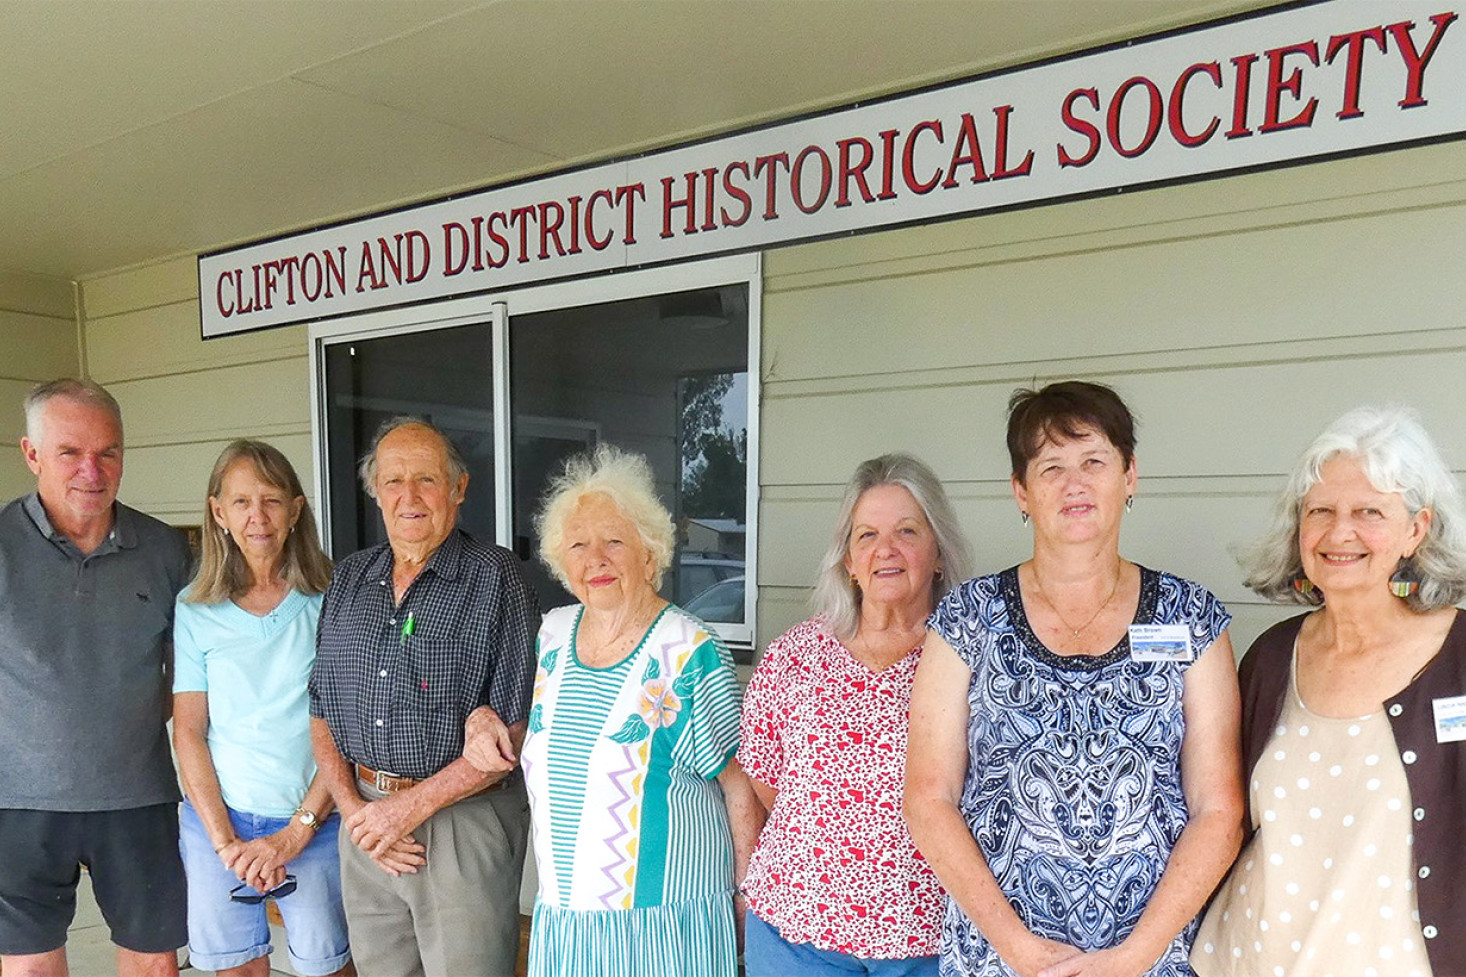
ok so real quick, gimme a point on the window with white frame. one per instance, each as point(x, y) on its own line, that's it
point(656, 362)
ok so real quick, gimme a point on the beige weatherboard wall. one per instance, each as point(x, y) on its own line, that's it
point(1237, 316)
point(38, 337)
point(184, 399)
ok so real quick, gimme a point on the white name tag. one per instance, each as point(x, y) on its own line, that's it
point(1450, 719)
point(1160, 643)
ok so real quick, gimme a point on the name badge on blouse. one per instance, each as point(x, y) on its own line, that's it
point(1450, 719)
point(1160, 643)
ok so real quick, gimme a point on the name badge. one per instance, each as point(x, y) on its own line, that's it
point(1160, 643)
point(1450, 719)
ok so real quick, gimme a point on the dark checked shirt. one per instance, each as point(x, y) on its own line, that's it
point(394, 697)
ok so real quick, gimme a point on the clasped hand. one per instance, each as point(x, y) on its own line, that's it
point(487, 743)
point(1048, 958)
point(260, 863)
point(383, 829)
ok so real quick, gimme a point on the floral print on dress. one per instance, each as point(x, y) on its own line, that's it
point(659, 703)
point(836, 866)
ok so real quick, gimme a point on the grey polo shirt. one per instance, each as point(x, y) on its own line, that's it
point(83, 646)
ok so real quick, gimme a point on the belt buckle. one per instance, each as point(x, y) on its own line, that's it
point(383, 782)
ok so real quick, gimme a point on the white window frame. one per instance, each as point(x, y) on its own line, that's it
point(497, 308)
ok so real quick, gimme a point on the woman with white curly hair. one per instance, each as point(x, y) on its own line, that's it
point(1354, 720)
point(641, 814)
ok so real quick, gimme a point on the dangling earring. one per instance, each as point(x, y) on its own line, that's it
point(1024, 516)
point(1405, 581)
point(1129, 503)
point(1302, 585)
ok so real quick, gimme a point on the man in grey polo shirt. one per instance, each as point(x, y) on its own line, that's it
point(86, 778)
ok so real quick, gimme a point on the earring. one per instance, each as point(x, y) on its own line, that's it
point(1129, 503)
point(1024, 516)
point(1405, 581)
point(1302, 585)
point(937, 573)
point(226, 530)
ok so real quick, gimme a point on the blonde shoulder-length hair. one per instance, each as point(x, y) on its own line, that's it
point(223, 573)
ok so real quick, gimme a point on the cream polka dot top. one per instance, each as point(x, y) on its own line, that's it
point(1325, 888)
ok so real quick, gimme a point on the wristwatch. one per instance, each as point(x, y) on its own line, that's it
point(308, 818)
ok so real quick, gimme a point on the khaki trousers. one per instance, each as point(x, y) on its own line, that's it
point(458, 915)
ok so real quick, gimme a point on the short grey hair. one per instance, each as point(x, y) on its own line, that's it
point(626, 480)
point(835, 596)
point(1396, 455)
point(79, 391)
point(367, 467)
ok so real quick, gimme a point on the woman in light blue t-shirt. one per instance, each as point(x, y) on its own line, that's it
point(257, 821)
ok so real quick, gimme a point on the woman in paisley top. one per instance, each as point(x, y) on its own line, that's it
point(1073, 772)
point(629, 758)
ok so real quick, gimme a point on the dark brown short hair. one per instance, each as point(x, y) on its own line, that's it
point(1062, 411)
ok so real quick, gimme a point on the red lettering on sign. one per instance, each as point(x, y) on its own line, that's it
point(1415, 62)
point(1085, 128)
point(1177, 117)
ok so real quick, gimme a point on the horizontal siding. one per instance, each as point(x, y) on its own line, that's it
point(37, 347)
point(169, 481)
point(164, 340)
point(37, 342)
point(1236, 316)
point(184, 399)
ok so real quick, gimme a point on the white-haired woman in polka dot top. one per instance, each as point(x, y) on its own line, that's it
point(1354, 722)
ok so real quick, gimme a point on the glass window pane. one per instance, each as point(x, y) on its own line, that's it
point(665, 376)
point(443, 375)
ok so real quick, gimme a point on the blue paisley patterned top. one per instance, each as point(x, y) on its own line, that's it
point(1073, 787)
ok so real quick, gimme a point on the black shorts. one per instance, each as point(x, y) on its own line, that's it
point(137, 877)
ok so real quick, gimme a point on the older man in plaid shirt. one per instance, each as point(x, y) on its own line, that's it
point(417, 635)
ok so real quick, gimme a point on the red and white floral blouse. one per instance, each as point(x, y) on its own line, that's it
point(835, 865)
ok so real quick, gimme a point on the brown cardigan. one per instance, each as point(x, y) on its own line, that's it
point(1436, 773)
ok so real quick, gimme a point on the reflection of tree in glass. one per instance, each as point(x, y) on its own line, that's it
point(702, 410)
point(713, 488)
point(714, 458)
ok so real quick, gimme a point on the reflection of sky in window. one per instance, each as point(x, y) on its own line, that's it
point(735, 403)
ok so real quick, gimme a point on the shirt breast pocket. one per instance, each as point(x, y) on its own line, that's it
point(433, 694)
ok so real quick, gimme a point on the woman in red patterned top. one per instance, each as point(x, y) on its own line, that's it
point(836, 884)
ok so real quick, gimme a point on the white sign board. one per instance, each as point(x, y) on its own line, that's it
point(1334, 78)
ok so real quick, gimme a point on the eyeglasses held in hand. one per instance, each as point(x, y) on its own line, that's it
point(244, 892)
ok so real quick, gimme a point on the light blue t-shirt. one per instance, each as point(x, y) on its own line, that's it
point(255, 671)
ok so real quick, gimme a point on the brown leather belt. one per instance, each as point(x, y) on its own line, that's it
point(387, 783)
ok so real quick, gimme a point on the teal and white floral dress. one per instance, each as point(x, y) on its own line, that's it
point(631, 834)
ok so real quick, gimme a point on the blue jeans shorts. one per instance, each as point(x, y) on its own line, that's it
point(767, 954)
point(223, 933)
